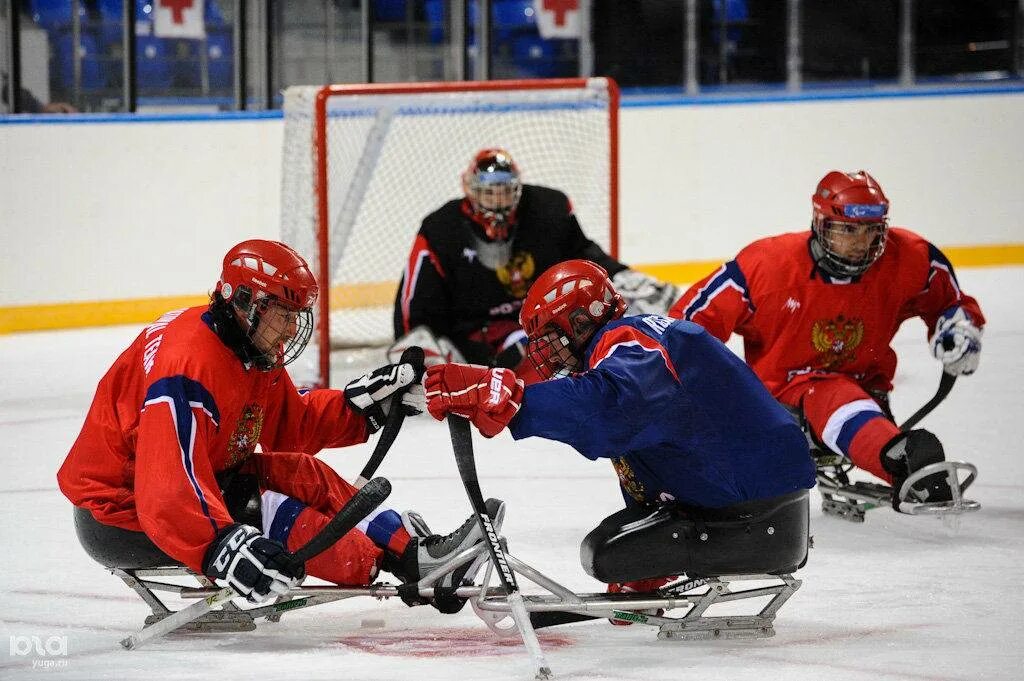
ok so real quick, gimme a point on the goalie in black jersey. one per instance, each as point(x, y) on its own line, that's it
point(475, 257)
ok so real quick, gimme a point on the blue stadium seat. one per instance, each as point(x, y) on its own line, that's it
point(153, 67)
point(511, 17)
point(435, 12)
point(53, 15)
point(220, 58)
point(389, 10)
point(93, 75)
point(534, 57)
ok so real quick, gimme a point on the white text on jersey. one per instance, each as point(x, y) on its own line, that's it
point(658, 323)
point(152, 345)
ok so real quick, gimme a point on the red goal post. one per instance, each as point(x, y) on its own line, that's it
point(363, 164)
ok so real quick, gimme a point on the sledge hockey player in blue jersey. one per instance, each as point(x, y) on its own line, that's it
point(713, 470)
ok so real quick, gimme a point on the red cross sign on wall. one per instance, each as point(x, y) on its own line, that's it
point(179, 19)
point(177, 8)
point(560, 7)
point(559, 18)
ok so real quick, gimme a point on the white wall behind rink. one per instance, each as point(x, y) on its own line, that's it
point(121, 210)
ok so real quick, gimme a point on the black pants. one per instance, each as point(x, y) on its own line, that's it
point(767, 536)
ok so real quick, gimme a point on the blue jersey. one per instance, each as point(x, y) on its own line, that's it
point(678, 413)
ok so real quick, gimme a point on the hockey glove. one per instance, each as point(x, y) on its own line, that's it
point(956, 342)
point(644, 294)
point(489, 398)
point(254, 566)
point(371, 393)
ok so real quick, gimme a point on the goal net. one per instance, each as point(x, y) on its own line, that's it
point(362, 165)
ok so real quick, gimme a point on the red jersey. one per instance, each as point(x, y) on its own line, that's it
point(175, 409)
point(795, 319)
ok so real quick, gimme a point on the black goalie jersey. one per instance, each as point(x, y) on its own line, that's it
point(470, 289)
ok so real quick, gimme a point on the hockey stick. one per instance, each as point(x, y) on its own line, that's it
point(945, 385)
point(396, 416)
point(462, 444)
point(355, 509)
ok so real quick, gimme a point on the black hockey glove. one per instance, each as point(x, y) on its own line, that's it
point(371, 393)
point(254, 566)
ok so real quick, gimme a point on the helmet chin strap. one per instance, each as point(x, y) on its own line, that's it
point(229, 329)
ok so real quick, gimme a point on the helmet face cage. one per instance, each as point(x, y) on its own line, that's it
point(493, 189)
point(278, 331)
point(551, 355)
point(837, 238)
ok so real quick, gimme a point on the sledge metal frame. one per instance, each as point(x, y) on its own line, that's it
point(491, 604)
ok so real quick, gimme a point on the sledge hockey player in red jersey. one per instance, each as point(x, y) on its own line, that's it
point(818, 311)
point(474, 258)
point(166, 470)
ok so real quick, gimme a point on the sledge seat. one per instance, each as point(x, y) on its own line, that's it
point(767, 536)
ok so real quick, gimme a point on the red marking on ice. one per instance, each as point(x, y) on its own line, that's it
point(445, 643)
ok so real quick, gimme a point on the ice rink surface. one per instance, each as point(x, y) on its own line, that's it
point(895, 598)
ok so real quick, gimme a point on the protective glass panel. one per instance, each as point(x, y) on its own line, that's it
point(850, 40)
point(316, 42)
point(519, 48)
point(742, 41)
point(411, 41)
point(965, 39)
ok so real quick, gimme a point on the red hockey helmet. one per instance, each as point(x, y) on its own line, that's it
point(492, 187)
point(561, 312)
point(273, 290)
point(849, 222)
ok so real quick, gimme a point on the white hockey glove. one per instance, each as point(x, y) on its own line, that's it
point(371, 393)
point(436, 349)
point(254, 566)
point(643, 293)
point(956, 342)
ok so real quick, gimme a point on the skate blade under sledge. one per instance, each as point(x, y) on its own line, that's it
point(694, 624)
point(851, 500)
point(955, 506)
point(230, 618)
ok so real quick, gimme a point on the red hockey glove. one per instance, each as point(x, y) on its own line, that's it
point(489, 398)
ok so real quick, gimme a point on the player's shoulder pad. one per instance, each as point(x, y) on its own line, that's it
point(444, 217)
point(640, 332)
point(546, 198)
point(903, 238)
point(910, 248)
point(772, 248)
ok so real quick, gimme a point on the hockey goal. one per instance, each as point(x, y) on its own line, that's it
point(363, 164)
